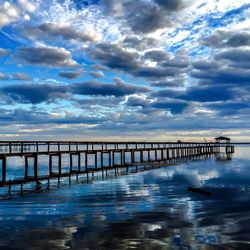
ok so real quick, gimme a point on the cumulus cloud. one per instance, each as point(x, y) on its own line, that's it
point(27, 5)
point(15, 76)
point(119, 88)
point(70, 74)
point(229, 67)
point(4, 76)
point(227, 38)
point(148, 19)
point(194, 55)
point(8, 13)
point(34, 93)
point(168, 83)
point(12, 12)
point(229, 108)
point(175, 106)
point(140, 43)
point(118, 58)
point(137, 102)
point(114, 56)
point(207, 94)
point(51, 31)
point(4, 52)
point(171, 5)
point(20, 76)
point(97, 74)
point(150, 15)
point(239, 58)
point(46, 56)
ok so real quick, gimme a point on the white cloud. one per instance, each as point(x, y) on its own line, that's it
point(12, 12)
point(27, 5)
point(8, 13)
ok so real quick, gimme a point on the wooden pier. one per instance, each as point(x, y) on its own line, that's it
point(88, 157)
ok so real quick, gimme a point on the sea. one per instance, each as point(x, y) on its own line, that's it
point(146, 210)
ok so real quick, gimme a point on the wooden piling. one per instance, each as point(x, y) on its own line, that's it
point(35, 166)
point(26, 167)
point(116, 152)
point(4, 168)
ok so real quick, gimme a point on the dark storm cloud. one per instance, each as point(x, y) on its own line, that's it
point(170, 5)
point(45, 56)
point(165, 60)
point(137, 102)
point(237, 40)
point(236, 57)
point(119, 88)
point(175, 64)
point(156, 72)
point(230, 107)
point(176, 107)
point(168, 83)
point(207, 94)
point(144, 16)
point(151, 105)
point(70, 74)
point(204, 65)
point(167, 92)
point(139, 43)
point(50, 31)
point(151, 16)
point(36, 116)
point(224, 75)
point(34, 93)
point(148, 18)
point(116, 57)
point(96, 102)
point(222, 39)
point(156, 55)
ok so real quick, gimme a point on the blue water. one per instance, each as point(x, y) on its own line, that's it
point(147, 210)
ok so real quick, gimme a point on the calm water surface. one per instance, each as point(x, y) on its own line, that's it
point(148, 210)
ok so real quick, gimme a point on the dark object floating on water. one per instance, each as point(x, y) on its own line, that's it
point(199, 190)
point(38, 185)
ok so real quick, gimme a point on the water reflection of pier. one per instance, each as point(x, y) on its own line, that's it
point(90, 157)
point(225, 149)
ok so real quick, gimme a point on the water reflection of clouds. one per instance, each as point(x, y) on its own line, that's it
point(149, 210)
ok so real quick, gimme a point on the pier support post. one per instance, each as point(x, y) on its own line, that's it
point(50, 165)
point(60, 163)
point(71, 163)
point(86, 161)
point(95, 160)
point(141, 156)
point(78, 164)
point(35, 166)
point(102, 164)
point(26, 167)
point(4, 160)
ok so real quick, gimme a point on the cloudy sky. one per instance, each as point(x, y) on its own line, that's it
point(144, 69)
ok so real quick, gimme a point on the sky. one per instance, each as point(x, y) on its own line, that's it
point(124, 70)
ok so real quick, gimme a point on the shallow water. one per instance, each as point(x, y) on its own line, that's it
point(147, 210)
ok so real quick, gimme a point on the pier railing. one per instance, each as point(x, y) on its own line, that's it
point(90, 156)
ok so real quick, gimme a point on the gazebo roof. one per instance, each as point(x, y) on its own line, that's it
point(222, 138)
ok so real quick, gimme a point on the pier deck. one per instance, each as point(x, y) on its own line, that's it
point(88, 157)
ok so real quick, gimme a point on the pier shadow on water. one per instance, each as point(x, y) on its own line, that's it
point(147, 210)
